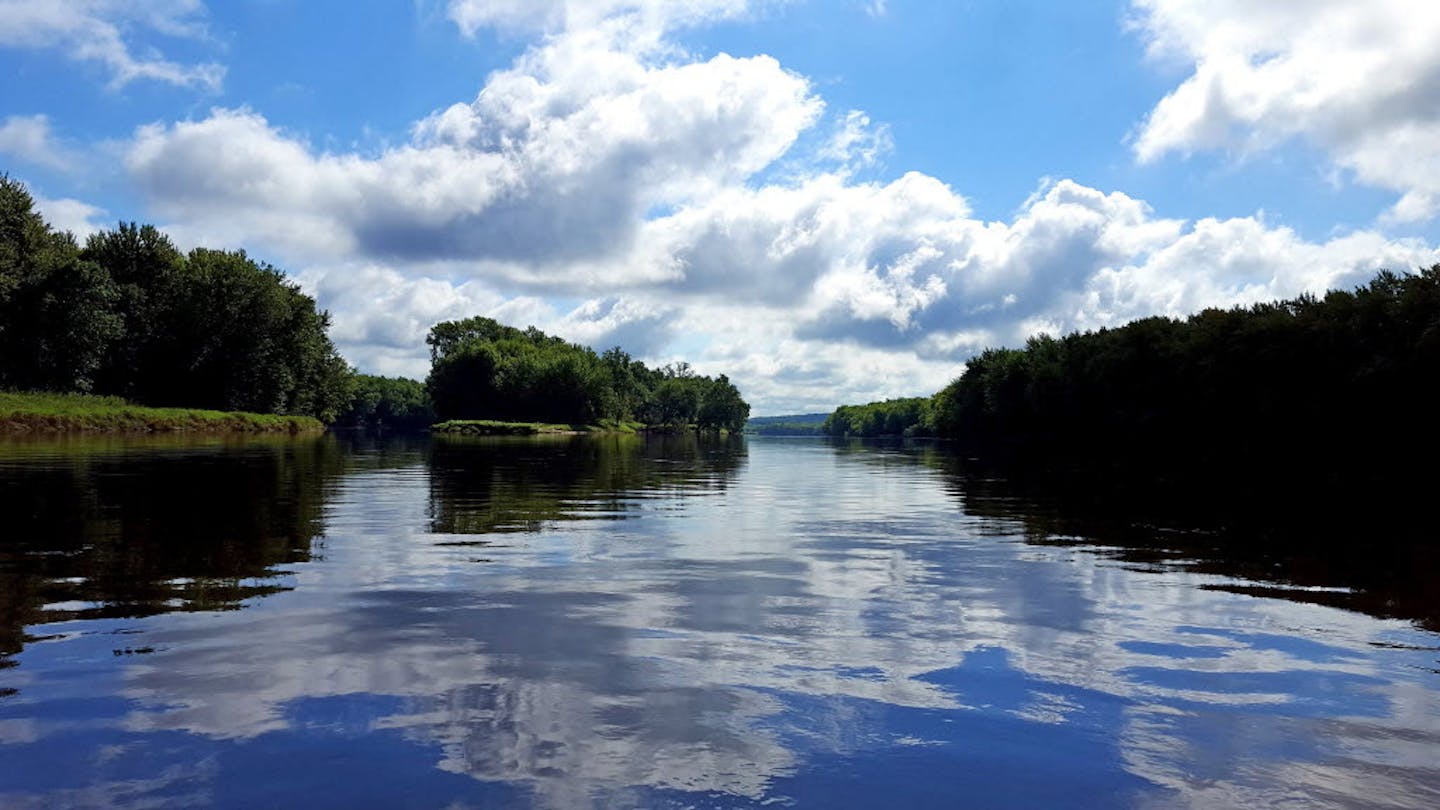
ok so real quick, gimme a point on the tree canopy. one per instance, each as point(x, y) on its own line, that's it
point(1305, 407)
point(394, 403)
point(1288, 405)
point(1221, 383)
point(129, 314)
point(894, 417)
point(483, 369)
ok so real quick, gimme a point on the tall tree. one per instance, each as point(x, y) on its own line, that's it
point(58, 313)
point(130, 315)
point(146, 268)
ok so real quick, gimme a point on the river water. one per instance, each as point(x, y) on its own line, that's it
point(623, 622)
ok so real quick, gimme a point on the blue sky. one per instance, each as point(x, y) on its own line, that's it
point(829, 201)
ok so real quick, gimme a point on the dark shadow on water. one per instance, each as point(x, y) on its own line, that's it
point(123, 527)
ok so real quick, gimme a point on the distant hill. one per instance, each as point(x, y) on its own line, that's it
point(793, 419)
point(799, 424)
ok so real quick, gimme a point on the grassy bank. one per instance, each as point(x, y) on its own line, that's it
point(78, 413)
point(492, 427)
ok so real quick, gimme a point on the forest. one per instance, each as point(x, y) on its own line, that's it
point(1344, 375)
point(129, 315)
point(1294, 401)
point(483, 369)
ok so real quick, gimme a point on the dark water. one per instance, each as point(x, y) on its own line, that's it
point(615, 622)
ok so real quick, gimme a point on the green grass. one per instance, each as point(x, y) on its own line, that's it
point(493, 427)
point(34, 412)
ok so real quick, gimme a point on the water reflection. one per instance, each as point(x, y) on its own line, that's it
point(113, 527)
point(501, 484)
point(1357, 555)
point(787, 622)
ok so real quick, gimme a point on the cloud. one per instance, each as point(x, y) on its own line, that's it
point(704, 208)
point(833, 292)
point(104, 32)
point(857, 143)
point(28, 138)
point(1359, 80)
point(642, 328)
point(551, 164)
point(904, 270)
point(380, 317)
point(75, 216)
point(550, 16)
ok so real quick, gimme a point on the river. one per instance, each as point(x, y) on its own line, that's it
point(629, 622)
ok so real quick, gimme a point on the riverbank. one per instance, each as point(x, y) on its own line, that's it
point(493, 427)
point(25, 413)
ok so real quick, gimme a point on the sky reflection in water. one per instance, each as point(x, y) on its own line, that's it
point(617, 622)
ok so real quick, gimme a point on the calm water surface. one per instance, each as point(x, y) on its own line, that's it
point(620, 622)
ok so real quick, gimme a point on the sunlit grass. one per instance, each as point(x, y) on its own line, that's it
point(39, 412)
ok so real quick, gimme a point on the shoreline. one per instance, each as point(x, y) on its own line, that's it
point(495, 427)
point(31, 414)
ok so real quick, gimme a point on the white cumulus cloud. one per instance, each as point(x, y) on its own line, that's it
point(104, 32)
point(28, 138)
point(550, 166)
point(76, 216)
point(1361, 81)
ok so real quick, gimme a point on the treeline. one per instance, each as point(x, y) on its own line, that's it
point(787, 429)
point(482, 369)
point(1347, 378)
point(392, 403)
point(894, 417)
point(1336, 391)
point(128, 314)
point(798, 424)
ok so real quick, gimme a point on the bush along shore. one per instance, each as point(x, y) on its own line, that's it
point(494, 427)
point(28, 413)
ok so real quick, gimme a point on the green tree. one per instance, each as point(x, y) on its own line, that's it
point(676, 401)
point(895, 417)
point(481, 369)
point(721, 407)
point(130, 315)
point(146, 268)
point(388, 402)
point(58, 313)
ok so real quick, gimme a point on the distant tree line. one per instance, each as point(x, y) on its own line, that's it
point(797, 424)
point(786, 429)
point(482, 369)
point(893, 417)
point(130, 315)
point(392, 403)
